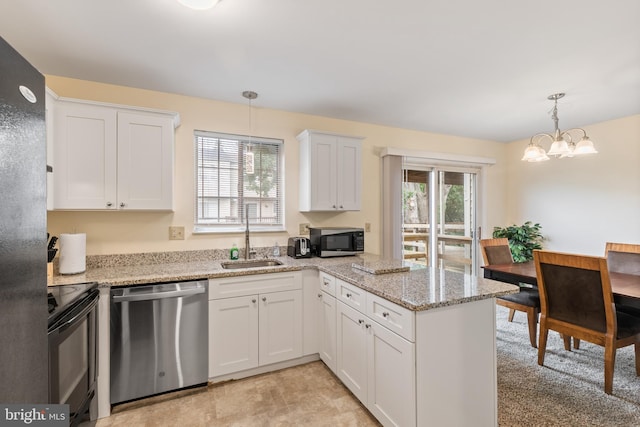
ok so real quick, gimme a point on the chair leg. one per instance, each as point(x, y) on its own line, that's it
point(532, 319)
point(609, 363)
point(542, 345)
point(576, 343)
point(512, 312)
point(567, 341)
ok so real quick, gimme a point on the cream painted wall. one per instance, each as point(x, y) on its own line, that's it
point(131, 232)
point(584, 202)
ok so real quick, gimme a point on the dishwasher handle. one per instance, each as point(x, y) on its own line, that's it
point(147, 296)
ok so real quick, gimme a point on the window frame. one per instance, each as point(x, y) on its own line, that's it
point(202, 227)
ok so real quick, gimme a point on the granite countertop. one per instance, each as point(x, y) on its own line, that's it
point(419, 288)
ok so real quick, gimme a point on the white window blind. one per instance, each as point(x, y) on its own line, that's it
point(237, 175)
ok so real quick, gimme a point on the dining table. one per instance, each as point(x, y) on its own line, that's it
point(625, 287)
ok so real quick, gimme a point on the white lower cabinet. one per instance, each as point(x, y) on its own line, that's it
point(352, 350)
point(233, 334)
point(327, 322)
point(407, 368)
point(256, 329)
point(280, 329)
point(378, 366)
point(311, 304)
point(391, 391)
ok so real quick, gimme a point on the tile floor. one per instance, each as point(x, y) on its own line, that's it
point(308, 395)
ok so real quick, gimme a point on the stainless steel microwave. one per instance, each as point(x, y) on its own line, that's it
point(336, 241)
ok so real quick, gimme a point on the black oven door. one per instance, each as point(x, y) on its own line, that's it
point(73, 358)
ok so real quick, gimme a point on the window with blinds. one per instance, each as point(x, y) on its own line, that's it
point(238, 175)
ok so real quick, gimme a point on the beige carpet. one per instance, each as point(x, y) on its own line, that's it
point(569, 389)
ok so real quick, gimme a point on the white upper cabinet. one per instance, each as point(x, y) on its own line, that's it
point(145, 161)
point(330, 171)
point(113, 158)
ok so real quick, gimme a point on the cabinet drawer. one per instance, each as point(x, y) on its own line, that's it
point(328, 283)
point(392, 316)
point(351, 295)
point(229, 287)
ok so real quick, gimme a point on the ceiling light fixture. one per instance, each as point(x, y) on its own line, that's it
point(562, 142)
point(199, 4)
point(249, 158)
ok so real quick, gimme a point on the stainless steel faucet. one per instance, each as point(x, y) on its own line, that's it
point(247, 244)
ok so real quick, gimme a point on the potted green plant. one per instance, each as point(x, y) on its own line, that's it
point(523, 239)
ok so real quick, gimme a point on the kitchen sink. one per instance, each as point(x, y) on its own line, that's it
point(233, 265)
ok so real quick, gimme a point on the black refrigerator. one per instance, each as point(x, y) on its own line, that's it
point(23, 236)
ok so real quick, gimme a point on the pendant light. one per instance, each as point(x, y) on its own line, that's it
point(562, 144)
point(249, 159)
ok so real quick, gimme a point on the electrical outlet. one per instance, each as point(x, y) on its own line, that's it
point(367, 227)
point(304, 228)
point(176, 233)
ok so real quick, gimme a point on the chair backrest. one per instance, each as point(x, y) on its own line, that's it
point(496, 251)
point(623, 257)
point(575, 289)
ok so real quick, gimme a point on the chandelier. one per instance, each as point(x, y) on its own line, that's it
point(563, 144)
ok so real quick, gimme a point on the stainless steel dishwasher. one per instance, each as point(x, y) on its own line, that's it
point(159, 338)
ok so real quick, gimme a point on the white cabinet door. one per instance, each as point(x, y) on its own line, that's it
point(328, 330)
point(349, 155)
point(352, 350)
point(324, 173)
point(145, 161)
point(330, 171)
point(391, 394)
point(84, 157)
point(280, 326)
point(233, 334)
point(312, 306)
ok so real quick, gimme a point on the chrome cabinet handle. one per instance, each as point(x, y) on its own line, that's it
point(348, 295)
point(253, 300)
point(109, 204)
point(367, 326)
point(122, 205)
point(264, 299)
point(385, 314)
point(360, 321)
point(341, 207)
point(319, 295)
point(334, 206)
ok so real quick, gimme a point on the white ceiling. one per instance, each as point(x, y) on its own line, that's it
point(480, 69)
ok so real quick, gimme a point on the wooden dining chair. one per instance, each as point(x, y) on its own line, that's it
point(623, 257)
point(496, 251)
point(576, 300)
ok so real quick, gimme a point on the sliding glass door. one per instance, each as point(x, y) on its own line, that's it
point(439, 217)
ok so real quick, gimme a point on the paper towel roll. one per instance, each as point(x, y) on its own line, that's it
point(73, 253)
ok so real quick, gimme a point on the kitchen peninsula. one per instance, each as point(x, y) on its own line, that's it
point(415, 345)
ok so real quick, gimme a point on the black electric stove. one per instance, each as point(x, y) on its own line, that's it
point(73, 346)
point(64, 298)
